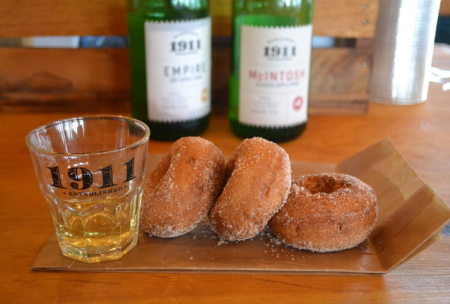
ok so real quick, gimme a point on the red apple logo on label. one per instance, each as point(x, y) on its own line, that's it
point(298, 103)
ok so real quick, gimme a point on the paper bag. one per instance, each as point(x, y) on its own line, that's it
point(411, 216)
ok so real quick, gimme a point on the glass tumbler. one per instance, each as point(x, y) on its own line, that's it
point(91, 171)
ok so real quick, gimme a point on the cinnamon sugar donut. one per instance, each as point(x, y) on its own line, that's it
point(182, 188)
point(259, 182)
point(326, 212)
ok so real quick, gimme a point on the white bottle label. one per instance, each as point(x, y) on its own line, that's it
point(178, 63)
point(274, 75)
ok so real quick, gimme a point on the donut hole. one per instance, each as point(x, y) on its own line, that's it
point(323, 184)
point(161, 170)
point(267, 191)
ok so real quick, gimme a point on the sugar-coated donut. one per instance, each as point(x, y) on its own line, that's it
point(326, 212)
point(259, 181)
point(182, 187)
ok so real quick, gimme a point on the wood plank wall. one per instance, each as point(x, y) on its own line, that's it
point(54, 77)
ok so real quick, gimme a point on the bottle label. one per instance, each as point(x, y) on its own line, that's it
point(178, 63)
point(274, 75)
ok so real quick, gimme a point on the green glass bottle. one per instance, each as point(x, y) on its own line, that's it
point(170, 58)
point(271, 57)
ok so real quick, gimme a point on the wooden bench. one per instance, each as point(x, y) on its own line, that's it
point(51, 78)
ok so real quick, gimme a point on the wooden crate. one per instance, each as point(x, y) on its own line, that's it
point(65, 78)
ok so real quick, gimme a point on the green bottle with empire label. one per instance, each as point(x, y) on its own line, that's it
point(271, 55)
point(170, 59)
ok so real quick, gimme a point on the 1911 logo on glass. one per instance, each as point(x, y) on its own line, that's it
point(82, 178)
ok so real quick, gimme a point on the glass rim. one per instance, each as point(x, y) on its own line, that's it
point(144, 138)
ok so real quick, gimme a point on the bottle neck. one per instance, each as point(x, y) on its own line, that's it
point(299, 10)
point(169, 9)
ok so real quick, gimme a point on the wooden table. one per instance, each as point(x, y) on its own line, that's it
point(420, 132)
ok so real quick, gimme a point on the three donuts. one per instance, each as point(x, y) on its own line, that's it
point(316, 212)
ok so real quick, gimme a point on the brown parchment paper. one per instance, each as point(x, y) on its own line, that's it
point(411, 216)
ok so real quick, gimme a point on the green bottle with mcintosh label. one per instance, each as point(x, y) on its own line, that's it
point(271, 55)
